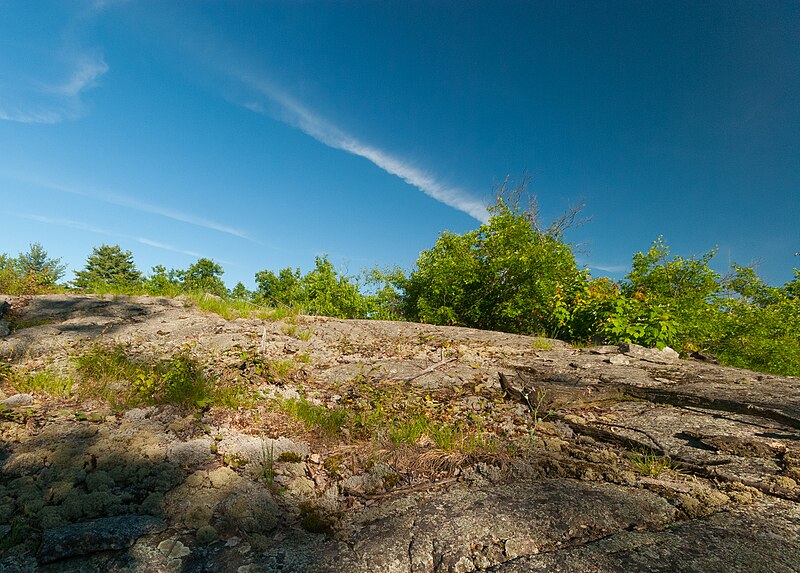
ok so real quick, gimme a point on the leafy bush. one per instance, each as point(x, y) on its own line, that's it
point(32, 272)
point(508, 275)
point(204, 276)
point(738, 318)
point(323, 291)
point(637, 320)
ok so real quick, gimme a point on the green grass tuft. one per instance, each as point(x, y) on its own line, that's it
point(649, 464)
point(328, 420)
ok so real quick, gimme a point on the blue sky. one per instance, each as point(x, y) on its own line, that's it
point(263, 134)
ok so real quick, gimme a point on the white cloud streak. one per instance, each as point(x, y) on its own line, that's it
point(297, 115)
point(127, 202)
point(609, 268)
point(52, 101)
point(77, 225)
point(84, 76)
point(19, 115)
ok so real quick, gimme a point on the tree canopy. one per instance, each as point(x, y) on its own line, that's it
point(108, 266)
point(507, 275)
point(511, 274)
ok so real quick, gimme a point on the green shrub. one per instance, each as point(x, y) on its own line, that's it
point(508, 275)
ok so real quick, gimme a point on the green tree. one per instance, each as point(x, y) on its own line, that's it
point(508, 275)
point(9, 281)
point(384, 298)
point(323, 291)
point(164, 282)
point(686, 289)
point(240, 292)
point(108, 266)
point(204, 275)
point(760, 328)
point(38, 266)
point(328, 292)
point(285, 288)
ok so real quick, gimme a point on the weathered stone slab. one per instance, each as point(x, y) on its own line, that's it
point(762, 538)
point(471, 528)
point(104, 534)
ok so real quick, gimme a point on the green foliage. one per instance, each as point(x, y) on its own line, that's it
point(177, 380)
point(637, 320)
point(36, 263)
point(762, 337)
point(330, 293)
point(162, 282)
point(323, 291)
point(385, 298)
point(109, 267)
point(230, 309)
point(33, 272)
point(508, 275)
point(46, 382)
point(240, 292)
point(684, 303)
point(328, 420)
point(649, 464)
point(10, 281)
point(685, 288)
point(285, 288)
point(204, 276)
point(110, 373)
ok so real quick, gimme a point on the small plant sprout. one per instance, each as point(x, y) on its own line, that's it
point(649, 464)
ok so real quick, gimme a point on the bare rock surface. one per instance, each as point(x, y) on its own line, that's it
point(604, 459)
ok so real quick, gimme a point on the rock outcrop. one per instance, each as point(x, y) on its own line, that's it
point(608, 459)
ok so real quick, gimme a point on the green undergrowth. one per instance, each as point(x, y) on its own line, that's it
point(401, 424)
point(111, 373)
point(231, 309)
point(17, 325)
point(47, 382)
point(329, 421)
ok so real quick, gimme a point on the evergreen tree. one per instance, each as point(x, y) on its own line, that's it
point(108, 266)
point(35, 265)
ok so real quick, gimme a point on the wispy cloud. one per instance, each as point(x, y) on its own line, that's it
point(80, 226)
point(55, 99)
point(47, 77)
point(166, 247)
point(29, 115)
point(614, 269)
point(297, 115)
point(84, 75)
point(127, 202)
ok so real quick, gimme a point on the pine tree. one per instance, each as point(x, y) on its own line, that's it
point(108, 266)
point(37, 266)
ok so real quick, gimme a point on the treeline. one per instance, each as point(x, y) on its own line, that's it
point(511, 274)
